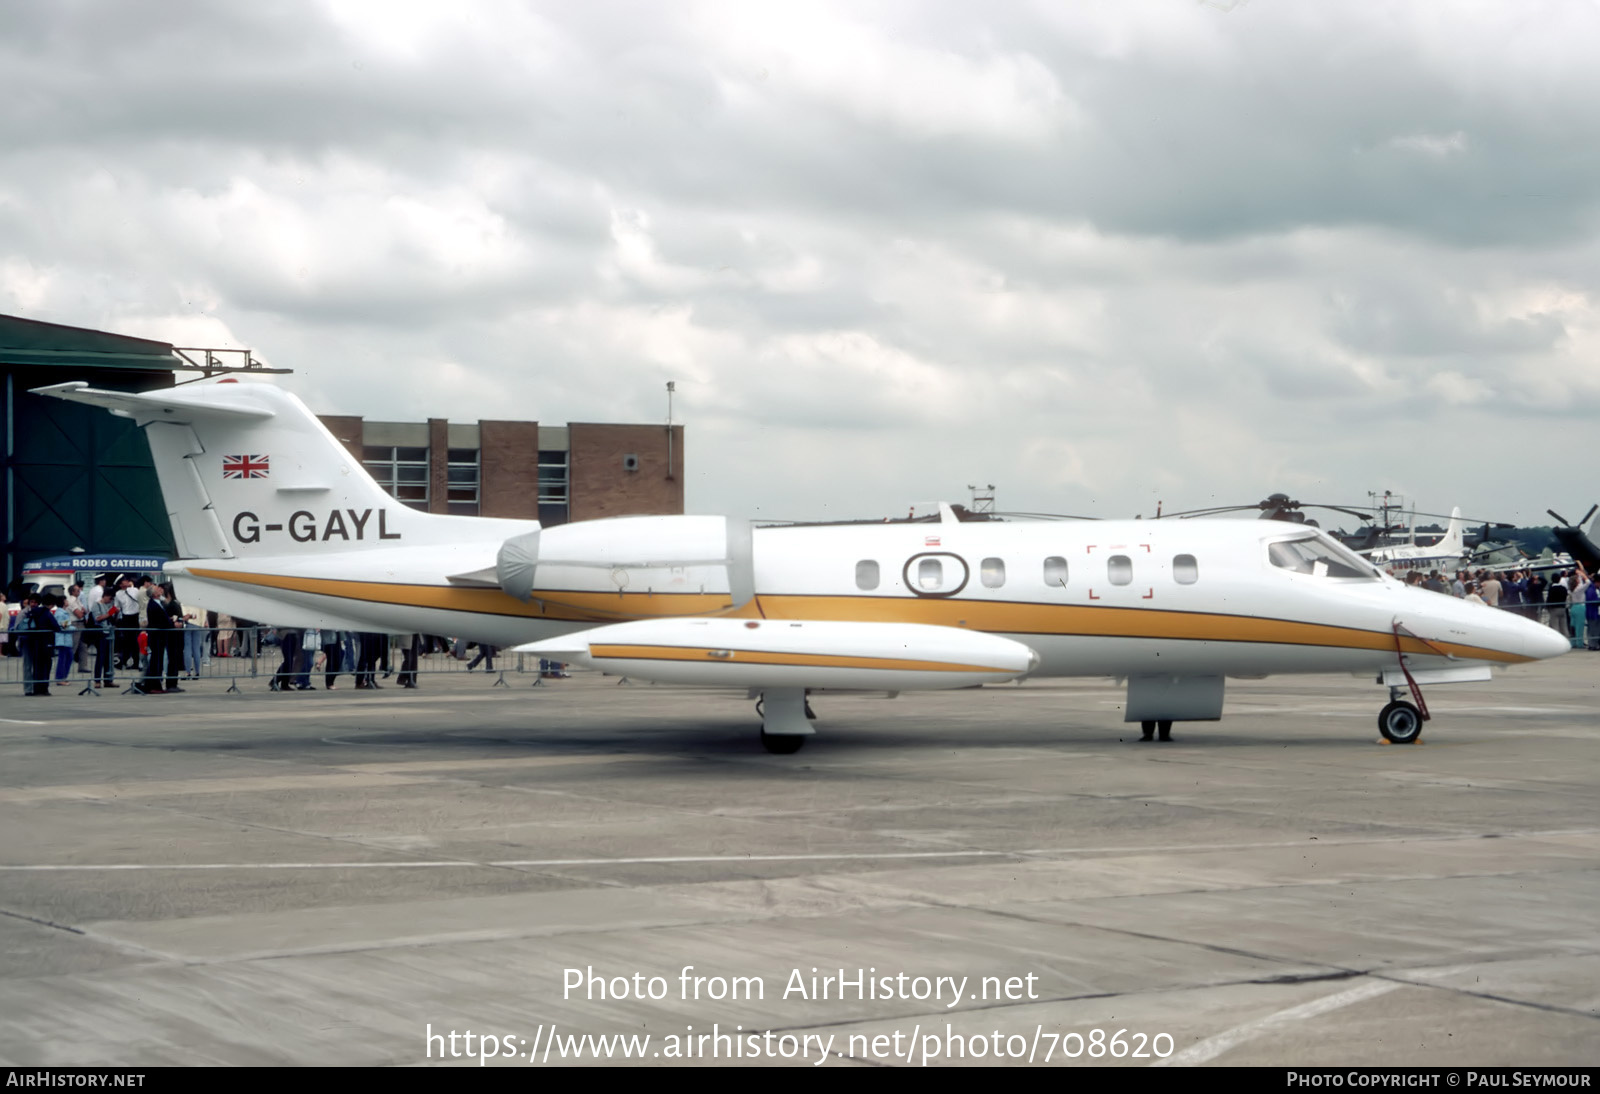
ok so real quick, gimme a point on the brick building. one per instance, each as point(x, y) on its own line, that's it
point(79, 479)
point(490, 468)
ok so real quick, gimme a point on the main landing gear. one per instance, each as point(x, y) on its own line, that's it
point(1400, 722)
point(785, 720)
point(1149, 729)
point(781, 744)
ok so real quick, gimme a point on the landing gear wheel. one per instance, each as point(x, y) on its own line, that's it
point(1400, 723)
point(1149, 731)
point(782, 744)
point(1164, 730)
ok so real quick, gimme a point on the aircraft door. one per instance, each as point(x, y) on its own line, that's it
point(935, 574)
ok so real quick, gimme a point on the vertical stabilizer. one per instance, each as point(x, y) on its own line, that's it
point(1453, 542)
point(247, 470)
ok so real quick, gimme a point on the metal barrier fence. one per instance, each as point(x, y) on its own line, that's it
point(242, 656)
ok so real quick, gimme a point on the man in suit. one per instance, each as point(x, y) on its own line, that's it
point(408, 663)
point(34, 639)
point(159, 626)
point(289, 646)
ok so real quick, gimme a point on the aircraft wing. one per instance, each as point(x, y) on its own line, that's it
point(750, 653)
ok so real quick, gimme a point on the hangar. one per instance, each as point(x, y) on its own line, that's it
point(77, 479)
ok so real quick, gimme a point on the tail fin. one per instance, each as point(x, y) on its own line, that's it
point(246, 469)
point(1453, 542)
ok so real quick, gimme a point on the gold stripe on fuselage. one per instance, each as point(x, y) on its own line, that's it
point(558, 606)
point(994, 617)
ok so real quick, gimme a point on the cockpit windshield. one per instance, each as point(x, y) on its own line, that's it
point(1319, 557)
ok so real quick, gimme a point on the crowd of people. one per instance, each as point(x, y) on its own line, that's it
point(100, 629)
point(327, 652)
point(1568, 601)
point(137, 626)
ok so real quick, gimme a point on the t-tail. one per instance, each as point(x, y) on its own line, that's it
point(246, 470)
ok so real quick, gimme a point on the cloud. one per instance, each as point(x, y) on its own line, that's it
point(1098, 255)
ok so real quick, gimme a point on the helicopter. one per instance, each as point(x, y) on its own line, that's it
point(1577, 542)
point(1382, 539)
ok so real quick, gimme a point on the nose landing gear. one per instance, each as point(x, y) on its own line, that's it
point(1401, 722)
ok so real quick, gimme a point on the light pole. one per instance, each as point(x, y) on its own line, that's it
point(671, 387)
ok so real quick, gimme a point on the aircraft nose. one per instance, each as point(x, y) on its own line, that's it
point(1543, 642)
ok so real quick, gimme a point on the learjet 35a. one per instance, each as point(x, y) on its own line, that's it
point(274, 520)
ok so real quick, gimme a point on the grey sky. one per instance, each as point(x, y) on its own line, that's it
point(1098, 254)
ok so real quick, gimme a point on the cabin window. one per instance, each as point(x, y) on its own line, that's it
point(1185, 570)
point(1055, 571)
point(993, 573)
point(1119, 569)
point(930, 574)
point(866, 574)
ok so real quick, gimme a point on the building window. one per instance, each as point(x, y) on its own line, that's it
point(993, 573)
point(402, 471)
point(1119, 568)
point(1055, 571)
point(553, 486)
point(866, 574)
point(1185, 570)
point(463, 480)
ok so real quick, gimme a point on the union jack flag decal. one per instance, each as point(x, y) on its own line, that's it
point(244, 467)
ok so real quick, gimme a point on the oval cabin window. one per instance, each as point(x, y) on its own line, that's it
point(1119, 569)
point(993, 573)
point(930, 574)
point(1055, 571)
point(866, 574)
point(1185, 570)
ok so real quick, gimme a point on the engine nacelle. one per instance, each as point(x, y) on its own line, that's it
point(659, 556)
point(768, 653)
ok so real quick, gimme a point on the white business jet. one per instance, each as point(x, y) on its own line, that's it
point(275, 521)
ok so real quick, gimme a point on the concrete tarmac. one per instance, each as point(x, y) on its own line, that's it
point(328, 878)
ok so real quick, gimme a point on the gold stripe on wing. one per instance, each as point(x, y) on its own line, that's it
point(762, 657)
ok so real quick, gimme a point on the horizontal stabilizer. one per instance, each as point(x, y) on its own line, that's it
point(179, 404)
